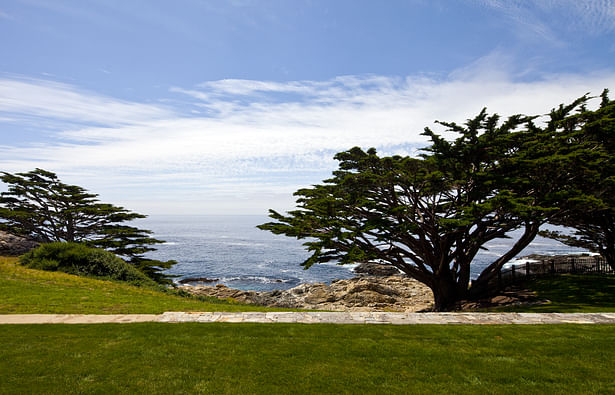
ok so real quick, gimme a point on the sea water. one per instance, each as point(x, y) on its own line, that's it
point(232, 251)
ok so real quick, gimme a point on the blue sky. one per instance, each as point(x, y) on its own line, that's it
point(219, 107)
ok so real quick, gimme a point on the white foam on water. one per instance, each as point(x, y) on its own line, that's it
point(518, 262)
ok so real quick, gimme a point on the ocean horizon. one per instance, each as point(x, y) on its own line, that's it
point(230, 250)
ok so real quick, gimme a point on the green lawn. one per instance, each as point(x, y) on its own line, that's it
point(27, 291)
point(287, 358)
point(569, 293)
point(283, 358)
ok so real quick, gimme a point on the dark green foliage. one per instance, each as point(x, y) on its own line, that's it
point(430, 216)
point(39, 206)
point(132, 243)
point(74, 258)
point(593, 220)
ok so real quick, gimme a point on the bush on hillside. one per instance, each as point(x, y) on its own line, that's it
point(74, 258)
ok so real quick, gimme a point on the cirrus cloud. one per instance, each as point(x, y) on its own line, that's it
point(252, 140)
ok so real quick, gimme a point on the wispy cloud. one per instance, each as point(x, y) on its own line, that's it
point(547, 19)
point(523, 19)
point(48, 99)
point(256, 139)
point(590, 16)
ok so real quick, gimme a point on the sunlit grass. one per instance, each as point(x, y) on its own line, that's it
point(24, 290)
point(317, 358)
point(287, 358)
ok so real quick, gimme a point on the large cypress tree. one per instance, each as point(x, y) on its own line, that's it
point(427, 216)
point(430, 216)
point(39, 206)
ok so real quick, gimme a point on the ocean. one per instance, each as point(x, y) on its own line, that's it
point(232, 251)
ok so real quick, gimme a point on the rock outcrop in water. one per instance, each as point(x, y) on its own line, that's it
point(11, 245)
point(363, 293)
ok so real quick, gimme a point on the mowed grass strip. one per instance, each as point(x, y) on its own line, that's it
point(569, 293)
point(285, 358)
point(29, 291)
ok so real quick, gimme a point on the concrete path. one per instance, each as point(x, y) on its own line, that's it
point(319, 318)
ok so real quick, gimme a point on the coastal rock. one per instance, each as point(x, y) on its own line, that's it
point(365, 293)
point(12, 245)
point(376, 269)
point(191, 280)
point(368, 298)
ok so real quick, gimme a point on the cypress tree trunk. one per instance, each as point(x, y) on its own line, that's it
point(447, 292)
point(607, 250)
point(609, 255)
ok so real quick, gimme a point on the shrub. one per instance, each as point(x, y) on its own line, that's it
point(74, 258)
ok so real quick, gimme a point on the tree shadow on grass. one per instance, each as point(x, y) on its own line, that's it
point(570, 293)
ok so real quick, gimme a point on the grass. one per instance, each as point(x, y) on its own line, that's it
point(285, 358)
point(570, 293)
point(29, 291)
point(290, 358)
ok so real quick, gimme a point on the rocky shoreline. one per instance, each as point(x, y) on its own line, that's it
point(376, 288)
point(361, 293)
point(395, 293)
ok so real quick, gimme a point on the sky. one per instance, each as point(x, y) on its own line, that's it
point(229, 106)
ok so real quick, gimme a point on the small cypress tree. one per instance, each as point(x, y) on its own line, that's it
point(39, 206)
